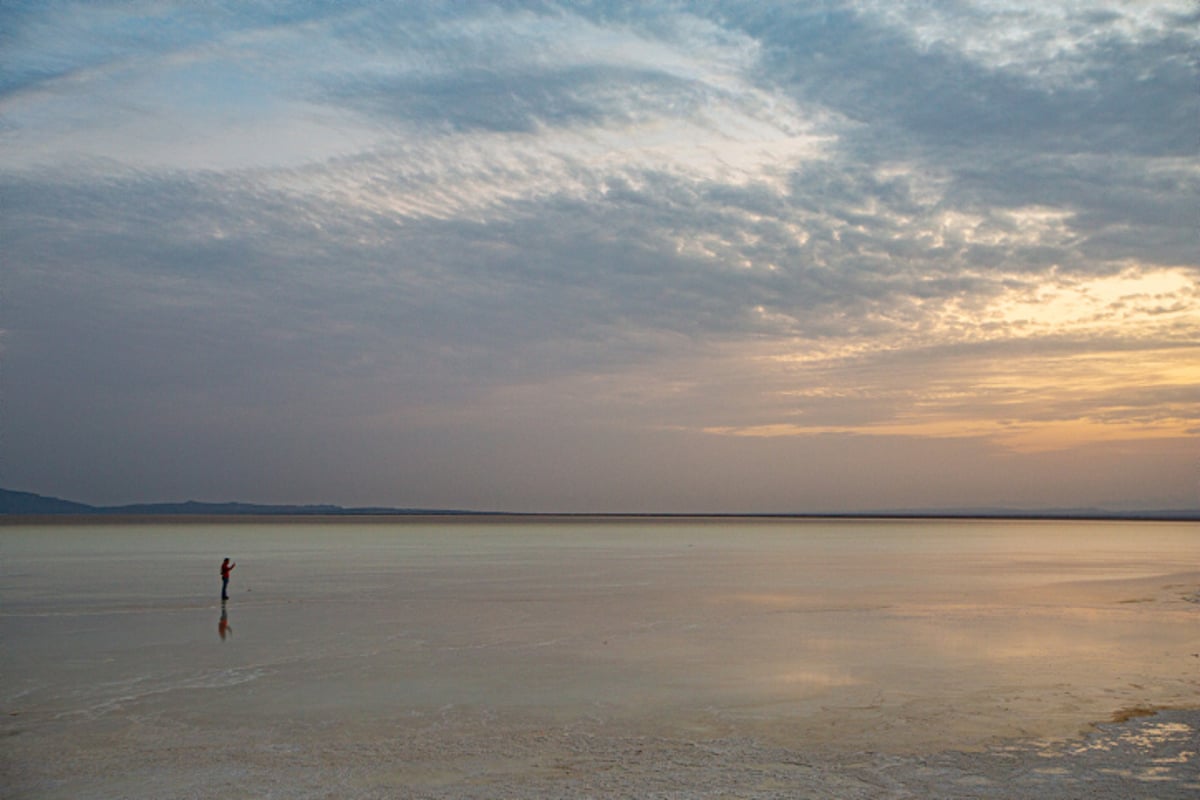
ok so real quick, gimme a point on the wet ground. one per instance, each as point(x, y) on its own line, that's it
point(683, 659)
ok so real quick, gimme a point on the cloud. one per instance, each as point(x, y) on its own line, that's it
point(430, 223)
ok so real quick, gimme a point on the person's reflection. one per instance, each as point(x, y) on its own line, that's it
point(223, 628)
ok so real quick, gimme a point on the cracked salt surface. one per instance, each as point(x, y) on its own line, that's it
point(684, 659)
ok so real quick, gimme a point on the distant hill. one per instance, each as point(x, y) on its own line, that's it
point(14, 503)
point(26, 503)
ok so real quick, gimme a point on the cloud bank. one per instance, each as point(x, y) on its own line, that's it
point(602, 256)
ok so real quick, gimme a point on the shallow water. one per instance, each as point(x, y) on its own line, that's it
point(837, 636)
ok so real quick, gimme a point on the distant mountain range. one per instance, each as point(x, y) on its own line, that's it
point(13, 503)
point(29, 504)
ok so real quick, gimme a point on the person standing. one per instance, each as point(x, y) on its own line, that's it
point(226, 567)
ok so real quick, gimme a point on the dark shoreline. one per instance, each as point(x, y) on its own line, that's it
point(459, 517)
point(28, 507)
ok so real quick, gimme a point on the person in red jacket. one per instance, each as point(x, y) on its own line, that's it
point(226, 567)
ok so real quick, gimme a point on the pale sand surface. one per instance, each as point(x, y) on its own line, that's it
point(1153, 757)
point(785, 659)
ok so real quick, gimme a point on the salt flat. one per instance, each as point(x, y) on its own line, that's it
point(687, 658)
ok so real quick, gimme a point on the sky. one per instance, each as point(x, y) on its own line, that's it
point(726, 256)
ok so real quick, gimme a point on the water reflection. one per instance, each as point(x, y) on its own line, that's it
point(223, 628)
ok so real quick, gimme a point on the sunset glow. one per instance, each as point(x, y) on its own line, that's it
point(603, 256)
